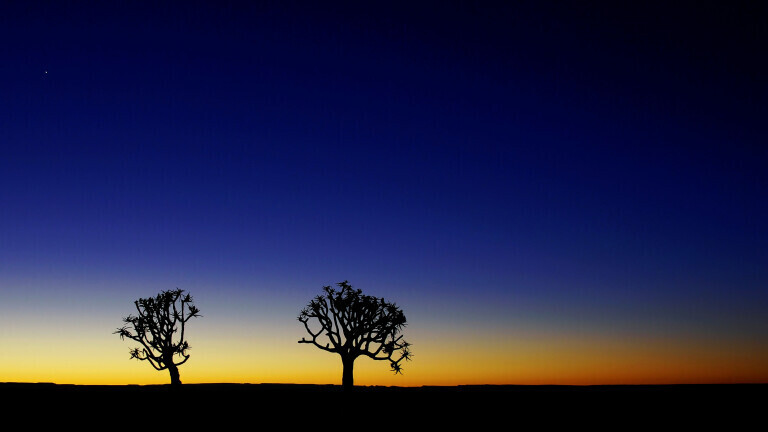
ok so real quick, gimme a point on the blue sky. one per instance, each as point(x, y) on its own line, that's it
point(530, 166)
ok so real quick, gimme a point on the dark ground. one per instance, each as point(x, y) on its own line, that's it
point(293, 406)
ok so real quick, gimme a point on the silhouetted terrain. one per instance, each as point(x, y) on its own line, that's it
point(296, 405)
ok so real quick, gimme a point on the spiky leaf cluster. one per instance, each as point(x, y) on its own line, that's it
point(354, 324)
point(159, 319)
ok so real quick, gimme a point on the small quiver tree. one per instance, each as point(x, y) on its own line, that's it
point(159, 319)
point(353, 324)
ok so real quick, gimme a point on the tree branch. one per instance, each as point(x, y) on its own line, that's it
point(154, 328)
point(357, 324)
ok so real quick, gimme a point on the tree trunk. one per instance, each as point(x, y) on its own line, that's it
point(347, 379)
point(174, 371)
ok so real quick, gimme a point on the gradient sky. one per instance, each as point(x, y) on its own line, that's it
point(554, 194)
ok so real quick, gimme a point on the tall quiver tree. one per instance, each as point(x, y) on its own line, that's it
point(159, 328)
point(353, 324)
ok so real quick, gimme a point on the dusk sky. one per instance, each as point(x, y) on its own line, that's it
point(568, 193)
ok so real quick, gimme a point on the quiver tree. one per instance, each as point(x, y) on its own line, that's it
point(159, 319)
point(353, 324)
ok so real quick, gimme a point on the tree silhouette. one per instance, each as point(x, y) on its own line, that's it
point(159, 318)
point(353, 324)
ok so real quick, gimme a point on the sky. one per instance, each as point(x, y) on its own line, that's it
point(570, 193)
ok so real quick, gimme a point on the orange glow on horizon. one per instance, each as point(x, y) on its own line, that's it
point(534, 362)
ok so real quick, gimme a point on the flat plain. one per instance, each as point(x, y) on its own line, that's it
point(231, 405)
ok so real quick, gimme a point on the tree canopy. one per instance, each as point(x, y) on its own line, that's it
point(159, 319)
point(353, 324)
